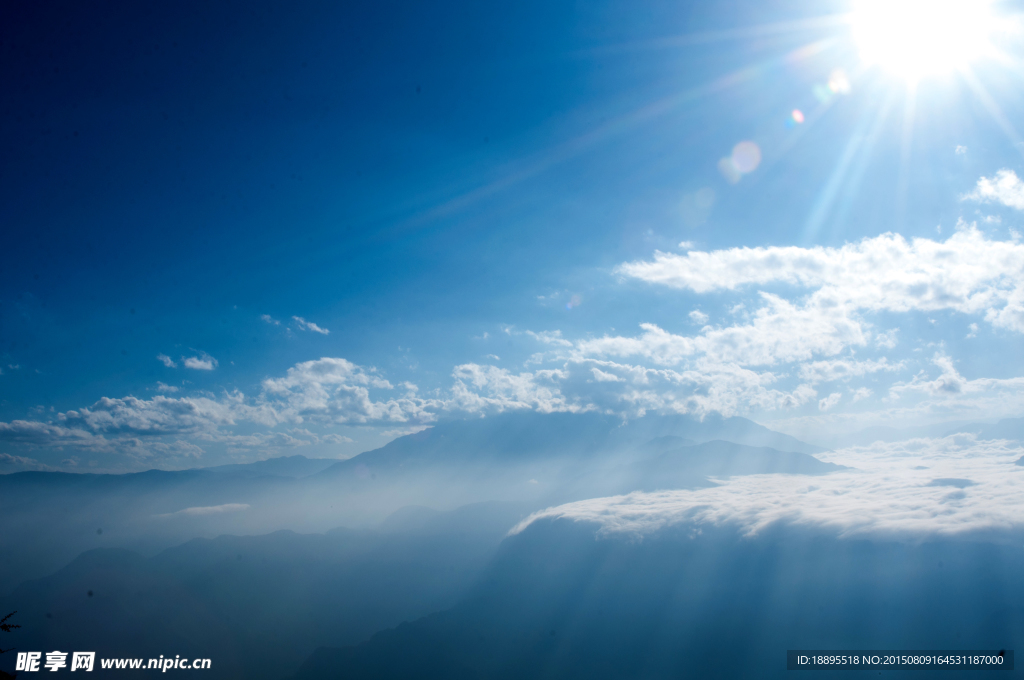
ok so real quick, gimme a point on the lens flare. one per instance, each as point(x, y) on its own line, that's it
point(745, 158)
point(797, 116)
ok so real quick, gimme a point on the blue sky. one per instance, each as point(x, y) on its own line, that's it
point(250, 230)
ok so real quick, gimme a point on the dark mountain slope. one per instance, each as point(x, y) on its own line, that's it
point(560, 603)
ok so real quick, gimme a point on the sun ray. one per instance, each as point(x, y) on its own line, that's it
point(906, 145)
point(993, 108)
point(849, 169)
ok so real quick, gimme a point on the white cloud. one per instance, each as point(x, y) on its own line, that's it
point(967, 273)
point(309, 326)
point(166, 361)
point(601, 376)
point(1005, 188)
point(929, 398)
point(157, 416)
point(699, 317)
point(550, 338)
point(163, 387)
point(973, 331)
point(779, 332)
point(336, 439)
point(327, 390)
point(488, 388)
point(269, 319)
point(337, 390)
point(36, 433)
point(861, 393)
point(202, 362)
point(622, 388)
point(894, 489)
point(829, 401)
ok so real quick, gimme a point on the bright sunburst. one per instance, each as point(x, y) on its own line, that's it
point(915, 38)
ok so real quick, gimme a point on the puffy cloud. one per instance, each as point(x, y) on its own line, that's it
point(162, 387)
point(202, 362)
point(967, 273)
point(166, 361)
point(1005, 188)
point(330, 390)
point(309, 326)
point(157, 416)
point(891, 489)
point(699, 317)
point(489, 388)
point(337, 390)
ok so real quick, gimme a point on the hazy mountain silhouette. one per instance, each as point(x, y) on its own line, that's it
point(258, 605)
point(559, 602)
point(522, 457)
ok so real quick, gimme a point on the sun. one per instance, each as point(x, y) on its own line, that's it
point(917, 38)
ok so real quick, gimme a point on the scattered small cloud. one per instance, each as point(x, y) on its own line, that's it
point(202, 362)
point(166, 361)
point(960, 150)
point(699, 317)
point(163, 387)
point(974, 331)
point(336, 439)
point(887, 339)
point(1005, 188)
point(269, 319)
point(861, 393)
point(829, 401)
point(309, 326)
point(492, 357)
